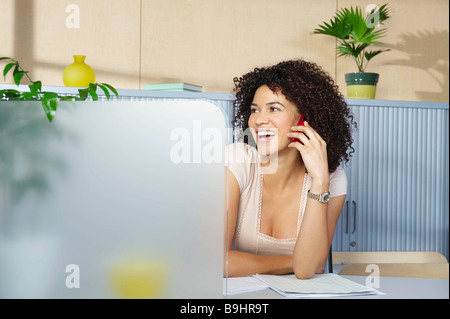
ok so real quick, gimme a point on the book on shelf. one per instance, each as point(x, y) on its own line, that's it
point(173, 87)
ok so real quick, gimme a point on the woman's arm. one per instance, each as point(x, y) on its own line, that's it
point(315, 236)
point(320, 219)
point(241, 263)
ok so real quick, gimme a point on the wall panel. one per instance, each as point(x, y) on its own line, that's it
point(131, 43)
point(44, 40)
point(210, 42)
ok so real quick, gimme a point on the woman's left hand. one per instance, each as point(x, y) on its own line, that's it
point(313, 150)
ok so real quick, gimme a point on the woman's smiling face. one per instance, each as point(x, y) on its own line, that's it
point(272, 117)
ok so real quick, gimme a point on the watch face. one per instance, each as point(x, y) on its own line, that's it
point(326, 197)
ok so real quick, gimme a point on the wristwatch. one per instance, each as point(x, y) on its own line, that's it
point(323, 198)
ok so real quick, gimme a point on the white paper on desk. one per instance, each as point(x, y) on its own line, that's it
point(237, 285)
point(326, 285)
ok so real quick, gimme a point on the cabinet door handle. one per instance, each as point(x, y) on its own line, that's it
point(346, 217)
point(354, 216)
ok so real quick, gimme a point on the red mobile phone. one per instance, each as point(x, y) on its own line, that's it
point(301, 122)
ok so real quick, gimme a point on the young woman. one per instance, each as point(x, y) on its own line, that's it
point(285, 196)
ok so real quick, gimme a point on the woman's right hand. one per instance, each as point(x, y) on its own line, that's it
point(313, 150)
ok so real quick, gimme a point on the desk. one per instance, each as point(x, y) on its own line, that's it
point(393, 287)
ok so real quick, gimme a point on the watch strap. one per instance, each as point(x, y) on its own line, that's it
point(323, 198)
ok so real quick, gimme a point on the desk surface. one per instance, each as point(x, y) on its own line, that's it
point(393, 287)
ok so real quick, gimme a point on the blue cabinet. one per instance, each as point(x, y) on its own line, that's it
point(398, 179)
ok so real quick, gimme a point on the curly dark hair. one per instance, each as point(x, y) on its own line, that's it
point(315, 94)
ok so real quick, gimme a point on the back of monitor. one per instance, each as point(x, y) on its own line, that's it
point(113, 200)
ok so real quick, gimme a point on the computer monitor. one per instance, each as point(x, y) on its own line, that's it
point(112, 200)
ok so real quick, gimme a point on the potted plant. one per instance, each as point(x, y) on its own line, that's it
point(355, 31)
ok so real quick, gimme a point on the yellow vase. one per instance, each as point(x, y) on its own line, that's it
point(78, 74)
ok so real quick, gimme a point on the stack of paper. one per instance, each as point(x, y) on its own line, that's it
point(326, 285)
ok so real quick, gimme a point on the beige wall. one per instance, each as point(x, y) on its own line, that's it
point(108, 34)
point(130, 43)
point(210, 42)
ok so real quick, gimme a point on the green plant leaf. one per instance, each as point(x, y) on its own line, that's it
point(370, 38)
point(29, 96)
point(35, 88)
point(49, 105)
point(18, 76)
point(112, 89)
point(50, 95)
point(92, 90)
point(337, 28)
point(9, 94)
point(357, 23)
point(5, 58)
point(8, 67)
point(105, 90)
point(358, 49)
point(83, 93)
point(383, 15)
point(68, 98)
point(38, 85)
point(351, 49)
point(370, 54)
point(344, 49)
